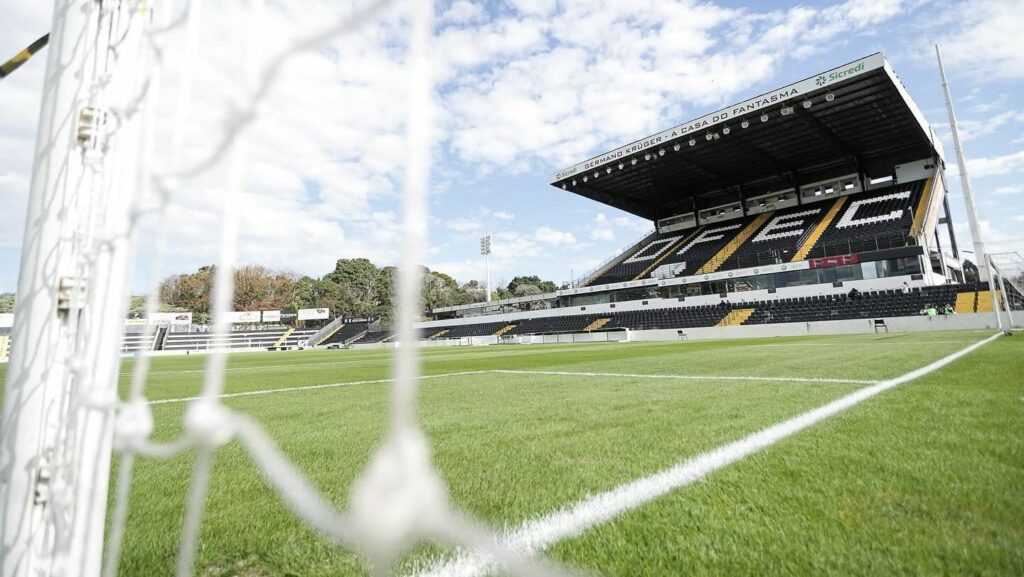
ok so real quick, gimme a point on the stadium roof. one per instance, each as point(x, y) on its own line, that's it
point(857, 118)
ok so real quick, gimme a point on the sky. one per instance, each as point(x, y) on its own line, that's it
point(523, 88)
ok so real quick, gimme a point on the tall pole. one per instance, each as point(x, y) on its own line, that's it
point(965, 182)
point(485, 249)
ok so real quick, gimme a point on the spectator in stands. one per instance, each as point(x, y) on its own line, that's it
point(906, 288)
point(855, 294)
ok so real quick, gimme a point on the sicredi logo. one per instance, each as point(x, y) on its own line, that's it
point(839, 74)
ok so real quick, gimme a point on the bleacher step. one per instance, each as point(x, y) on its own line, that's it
point(965, 302)
point(504, 330)
point(736, 317)
point(284, 337)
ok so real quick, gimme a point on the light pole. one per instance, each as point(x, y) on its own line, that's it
point(965, 183)
point(485, 249)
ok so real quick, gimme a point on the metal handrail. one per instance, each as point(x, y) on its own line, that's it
point(594, 272)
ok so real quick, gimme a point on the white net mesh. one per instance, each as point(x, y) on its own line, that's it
point(121, 66)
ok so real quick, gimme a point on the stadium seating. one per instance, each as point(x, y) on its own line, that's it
point(135, 342)
point(375, 337)
point(250, 339)
point(874, 304)
point(877, 219)
point(348, 332)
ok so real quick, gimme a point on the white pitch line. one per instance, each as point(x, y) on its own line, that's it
point(310, 388)
point(538, 534)
point(688, 377)
point(511, 372)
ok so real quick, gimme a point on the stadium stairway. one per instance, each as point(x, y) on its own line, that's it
point(817, 231)
point(669, 252)
point(504, 330)
point(735, 243)
point(284, 337)
point(597, 324)
point(736, 317)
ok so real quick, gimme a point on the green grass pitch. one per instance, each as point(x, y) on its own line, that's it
point(924, 479)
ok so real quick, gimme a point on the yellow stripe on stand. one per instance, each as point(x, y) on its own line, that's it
point(815, 236)
point(733, 245)
point(922, 207)
point(672, 248)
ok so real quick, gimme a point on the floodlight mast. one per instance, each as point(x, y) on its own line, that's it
point(965, 182)
point(485, 249)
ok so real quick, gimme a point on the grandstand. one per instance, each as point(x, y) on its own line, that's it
point(768, 211)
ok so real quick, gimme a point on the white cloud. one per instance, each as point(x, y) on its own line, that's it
point(996, 165)
point(462, 11)
point(602, 234)
point(1008, 190)
point(551, 236)
point(502, 215)
point(463, 225)
point(570, 91)
point(987, 44)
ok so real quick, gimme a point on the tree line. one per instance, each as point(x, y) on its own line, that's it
point(355, 288)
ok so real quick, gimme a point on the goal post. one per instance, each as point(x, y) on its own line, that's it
point(61, 384)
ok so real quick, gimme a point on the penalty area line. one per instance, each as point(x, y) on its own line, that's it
point(538, 534)
point(688, 377)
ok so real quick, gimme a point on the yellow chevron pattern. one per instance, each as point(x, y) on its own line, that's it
point(438, 334)
point(668, 252)
point(815, 236)
point(504, 330)
point(734, 244)
point(284, 337)
point(596, 325)
point(735, 318)
point(965, 302)
point(5, 343)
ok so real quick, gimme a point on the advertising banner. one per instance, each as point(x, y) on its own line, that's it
point(234, 317)
point(172, 319)
point(314, 314)
point(271, 316)
point(828, 261)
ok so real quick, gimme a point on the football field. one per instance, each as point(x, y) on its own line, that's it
point(681, 458)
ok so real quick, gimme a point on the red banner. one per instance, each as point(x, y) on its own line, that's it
point(834, 260)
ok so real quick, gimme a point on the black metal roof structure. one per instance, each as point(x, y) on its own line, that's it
point(857, 118)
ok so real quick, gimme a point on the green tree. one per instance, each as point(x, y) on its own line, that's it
point(7, 303)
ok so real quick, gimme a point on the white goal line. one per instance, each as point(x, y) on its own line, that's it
point(512, 372)
point(538, 534)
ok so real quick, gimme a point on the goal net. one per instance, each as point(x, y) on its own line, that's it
point(1008, 282)
point(116, 159)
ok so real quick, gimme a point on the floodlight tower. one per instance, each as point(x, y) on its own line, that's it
point(485, 249)
point(965, 182)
